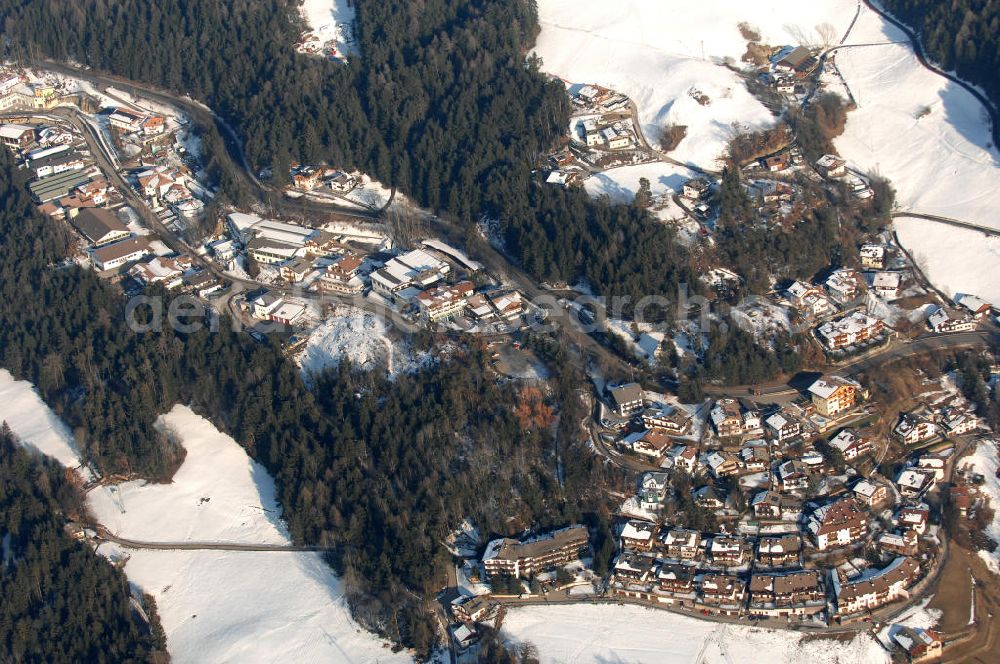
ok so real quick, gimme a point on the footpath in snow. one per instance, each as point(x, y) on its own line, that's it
point(216, 606)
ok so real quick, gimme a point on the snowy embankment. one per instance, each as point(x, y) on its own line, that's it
point(986, 462)
point(621, 184)
point(611, 633)
point(217, 606)
point(361, 337)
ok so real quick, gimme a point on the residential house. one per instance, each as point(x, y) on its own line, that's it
point(840, 523)
point(153, 125)
point(472, 609)
point(871, 592)
point(162, 270)
point(915, 517)
point(16, 136)
point(872, 256)
point(669, 419)
point(265, 304)
point(811, 301)
point(789, 594)
point(287, 313)
point(918, 644)
point(792, 475)
point(113, 256)
point(900, 544)
point(100, 227)
point(676, 582)
point(844, 285)
point(341, 182)
point(514, 558)
point(464, 636)
point(306, 178)
point(722, 463)
point(779, 551)
point(125, 120)
point(958, 421)
point(977, 307)
point(914, 428)
point(627, 399)
point(944, 320)
point(508, 304)
point(850, 444)
point(632, 568)
point(638, 535)
point(766, 505)
point(696, 189)
point(445, 301)
point(934, 463)
point(479, 308)
point(755, 458)
point(685, 458)
point(649, 443)
point(654, 488)
point(682, 544)
point(203, 283)
point(776, 163)
point(724, 592)
point(831, 166)
point(727, 418)
point(850, 330)
point(886, 284)
point(833, 395)
point(730, 551)
point(913, 482)
point(870, 493)
point(710, 498)
point(783, 426)
point(341, 276)
point(296, 269)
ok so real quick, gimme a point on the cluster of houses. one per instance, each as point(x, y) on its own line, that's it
point(17, 93)
point(67, 185)
point(788, 67)
point(768, 575)
point(421, 282)
point(311, 178)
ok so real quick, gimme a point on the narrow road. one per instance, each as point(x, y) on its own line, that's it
point(202, 115)
point(918, 50)
point(103, 534)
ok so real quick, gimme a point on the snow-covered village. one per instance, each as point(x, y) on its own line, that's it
point(531, 332)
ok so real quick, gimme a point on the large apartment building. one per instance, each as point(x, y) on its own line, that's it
point(838, 524)
point(515, 558)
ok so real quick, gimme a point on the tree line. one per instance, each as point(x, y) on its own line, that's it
point(61, 602)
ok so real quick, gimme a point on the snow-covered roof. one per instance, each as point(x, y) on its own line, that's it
point(826, 386)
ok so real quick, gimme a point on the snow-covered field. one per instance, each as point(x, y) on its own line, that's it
point(360, 336)
point(940, 163)
point(37, 426)
point(621, 184)
point(216, 606)
point(610, 633)
point(984, 460)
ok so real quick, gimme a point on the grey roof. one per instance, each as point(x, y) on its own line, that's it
point(96, 223)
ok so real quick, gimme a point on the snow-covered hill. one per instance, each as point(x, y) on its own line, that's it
point(926, 134)
point(216, 606)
